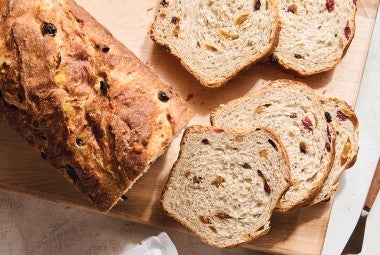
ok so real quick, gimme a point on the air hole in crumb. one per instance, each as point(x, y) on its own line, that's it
point(298, 56)
point(197, 179)
point(204, 219)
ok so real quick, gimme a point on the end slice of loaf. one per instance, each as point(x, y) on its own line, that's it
point(314, 34)
point(346, 126)
point(295, 113)
point(214, 40)
point(226, 183)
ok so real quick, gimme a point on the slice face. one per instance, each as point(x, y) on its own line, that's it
point(226, 183)
point(294, 112)
point(314, 34)
point(346, 127)
point(216, 39)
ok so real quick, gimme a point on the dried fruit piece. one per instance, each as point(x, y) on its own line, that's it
point(242, 18)
point(103, 87)
point(138, 148)
point(167, 48)
point(239, 138)
point(79, 142)
point(246, 166)
point(218, 130)
point(217, 181)
point(330, 5)
point(257, 5)
point(213, 229)
point(263, 154)
point(205, 141)
point(259, 109)
point(306, 122)
point(347, 32)
point(293, 115)
point(273, 59)
point(247, 237)
point(204, 219)
point(174, 20)
point(164, 3)
point(328, 146)
point(273, 144)
point(48, 29)
point(292, 8)
point(197, 179)
point(176, 30)
point(210, 47)
point(162, 96)
point(328, 117)
point(295, 182)
point(303, 147)
point(267, 188)
point(71, 173)
point(223, 216)
point(346, 150)
point(341, 116)
point(227, 35)
point(105, 49)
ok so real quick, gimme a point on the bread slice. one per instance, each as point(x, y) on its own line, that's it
point(226, 183)
point(314, 34)
point(294, 112)
point(346, 126)
point(214, 40)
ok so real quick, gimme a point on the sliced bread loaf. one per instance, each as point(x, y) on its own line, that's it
point(346, 126)
point(214, 40)
point(314, 34)
point(294, 112)
point(226, 183)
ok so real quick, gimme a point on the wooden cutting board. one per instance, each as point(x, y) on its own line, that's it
point(300, 232)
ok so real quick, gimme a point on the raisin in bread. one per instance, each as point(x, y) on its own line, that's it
point(214, 40)
point(94, 110)
point(295, 113)
point(346, 125)
point(226, 183)
point(314, 34)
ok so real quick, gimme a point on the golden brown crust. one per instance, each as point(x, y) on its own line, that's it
point(82, 98)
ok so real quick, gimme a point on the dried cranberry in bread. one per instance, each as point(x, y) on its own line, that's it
point(339, 114)
point(314, 34)
point(82, 98)
point(294, 112)
point(226, 183)
point(214, 40)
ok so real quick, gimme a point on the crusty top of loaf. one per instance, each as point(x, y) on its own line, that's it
point(82, 98)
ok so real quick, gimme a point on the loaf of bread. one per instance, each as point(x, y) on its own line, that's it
point(214, 40)
point(92, 108)
point(226, 183)
point(314, 34)
point(294, 112)
point(346, 126)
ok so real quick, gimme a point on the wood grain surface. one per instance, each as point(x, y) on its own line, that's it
point(301, 232)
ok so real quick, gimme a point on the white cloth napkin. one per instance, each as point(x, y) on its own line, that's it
point(154, 245)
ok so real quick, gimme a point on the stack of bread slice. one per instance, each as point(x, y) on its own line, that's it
point(279, 148)
point(215, 40)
